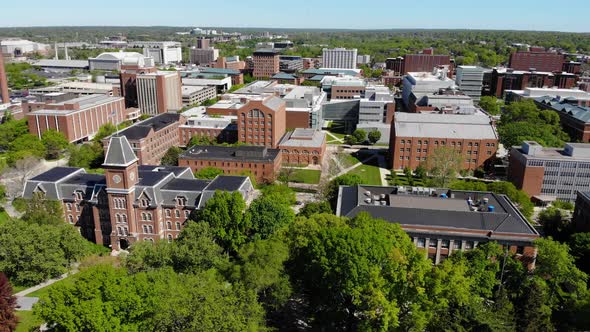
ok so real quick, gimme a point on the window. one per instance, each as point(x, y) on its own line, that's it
point(168, 213)
point(144, 202)
point(169, 237)
point(456, 245)
point(177, 226)
point(69, 206)
point(177, 213)
point(124, 218)
point(77, 207)
point(145, 229)
point(520, 250)
point(168, 225)
point(186, 213)
point(151, 229)
point(403, 141)
point(445, 244)
point(119, 231)
point(421, 242)
point(118, 217)
point(469, 245)
point(70, 219)
point(432, 243)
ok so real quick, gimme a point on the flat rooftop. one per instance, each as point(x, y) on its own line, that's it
point(453, 126)
point(226, 153)
point(303, 138)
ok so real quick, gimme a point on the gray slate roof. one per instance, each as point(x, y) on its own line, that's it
point(119, 152)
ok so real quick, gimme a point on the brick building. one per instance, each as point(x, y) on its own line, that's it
point(219, 128)
point(261, 118)
point(574, 119)
point(151, 138)
point(130, 203)
point(498, 81)
point(423, 62)
point(266, 63)
point(549, 174)
point(539, 60)
point(78, 119)
point(581, 216)
point(414, 136)
point(442, 221)
point(263, 163)
point(303, 147)
point(159, 92)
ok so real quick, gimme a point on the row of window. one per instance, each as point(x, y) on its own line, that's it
point(297, 152)
point(256, 136)
point(425, 142)
point(256, 122)
point(445, 244)
point(69, 207)
point(168, 213)
point(120, 203)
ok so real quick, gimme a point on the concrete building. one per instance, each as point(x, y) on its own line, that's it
point(344, 87)
point(159, 92)
point(150, 139)
point(573, 96)
point(422, 83)
point(78, 119)
point(192, 94)
point(290, 63)
point(266, 63)
point(15, 47)
point(113, 61)
point(442, 221)
point(548, 174)
point(217, 128)
point(4, 96)
point(203, 56)
point(415, 136)
point(203, 43)
point(61, 66)
point(303, 147)
point(130, 203)
point(376, 110)
point(163, 52)
point(449, 101)
point(231, 63)
point(263, 163)
point(78, 88)
point(339, 58)
point(222, 83)
point(304, 107)
point(364, 59)
point(237, 78)
point(470, 80)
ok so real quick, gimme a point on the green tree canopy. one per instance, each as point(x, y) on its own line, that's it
point(208, 173)
point(55, 143)
point(266, 215)
point(171, 156)
point(444, 163)
point(491, 104)
point(374, 136)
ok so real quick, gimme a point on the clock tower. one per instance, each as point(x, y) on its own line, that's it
point(121, 172)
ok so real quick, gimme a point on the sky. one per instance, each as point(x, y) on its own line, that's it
point(544, 15)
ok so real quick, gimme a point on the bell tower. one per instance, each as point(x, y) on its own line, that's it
point(121, 172)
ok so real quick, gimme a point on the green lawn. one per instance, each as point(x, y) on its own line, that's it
point(4, 217)
point(369, 173)
point(309, 176)
point(26, 321)
point(347, 160)
point(44, 292)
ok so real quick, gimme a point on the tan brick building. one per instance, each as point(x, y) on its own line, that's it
point(78, 119)
point(414, 136)
point(303, 147)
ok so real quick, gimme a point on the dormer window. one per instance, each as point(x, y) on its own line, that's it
point(144, 202)
point(180, 201)
point(78, 195)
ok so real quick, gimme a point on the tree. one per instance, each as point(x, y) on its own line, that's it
point(8, 319)
point(266, 215)
point(490, 104)
point(362, 274)
point(421, 172)
point(360, 136)
point(555, 224)
point(374, 136)
point(88, 156)
point(208, 173)
point(331, 190)
point(224, 212)
point(171, 156)
point(43, 211)
point(28, 145)
point(32, 253)
point(104, 131)
point(55, 143)
point(580, 248)
point(280, 193)
point(311, 208)
point(443, 164)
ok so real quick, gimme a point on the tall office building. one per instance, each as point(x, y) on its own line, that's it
point(203, 43)
point(266, 63)
point(4, 96)
point(470, 80)
point(203, 56)
point(339, 58)
point(159, 92)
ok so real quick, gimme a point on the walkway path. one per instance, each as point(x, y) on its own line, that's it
point(383, 170)
point(334, 138)
point(346, 170)
point(48, 282)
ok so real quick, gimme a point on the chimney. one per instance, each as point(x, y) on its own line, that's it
point(4, 96)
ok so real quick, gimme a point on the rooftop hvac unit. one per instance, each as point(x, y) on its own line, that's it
point(368, 193)
point(383, 202)
point(383, 196)
point(368, 200)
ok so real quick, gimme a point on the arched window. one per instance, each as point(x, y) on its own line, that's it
point(70, 219)
point(145, 229)
point(177, 213)
point(69, 206)
point(125, 231)
point(186, 213)
point(169, 237)
point(143, 216)
point(150, 229)
point(177, 226)
point(305, 152)
point(149, 216)
point(118, 217)
point(119, 231)
point(124, 218)
point(168, 213)
point(168, 225)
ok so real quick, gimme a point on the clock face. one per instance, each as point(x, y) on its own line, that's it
point(132, 176)
point(116, 178)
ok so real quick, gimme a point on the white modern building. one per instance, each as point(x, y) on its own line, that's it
point(112, 61)
point(20, 47)
point(470, 80)
point(363, 59)
point(163, 52)
point(423, 83)
point(339, 58)
point(192, 94)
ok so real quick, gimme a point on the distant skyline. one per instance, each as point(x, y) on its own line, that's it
point(540, 15)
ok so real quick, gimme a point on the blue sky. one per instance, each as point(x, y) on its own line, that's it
point(354, 14)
